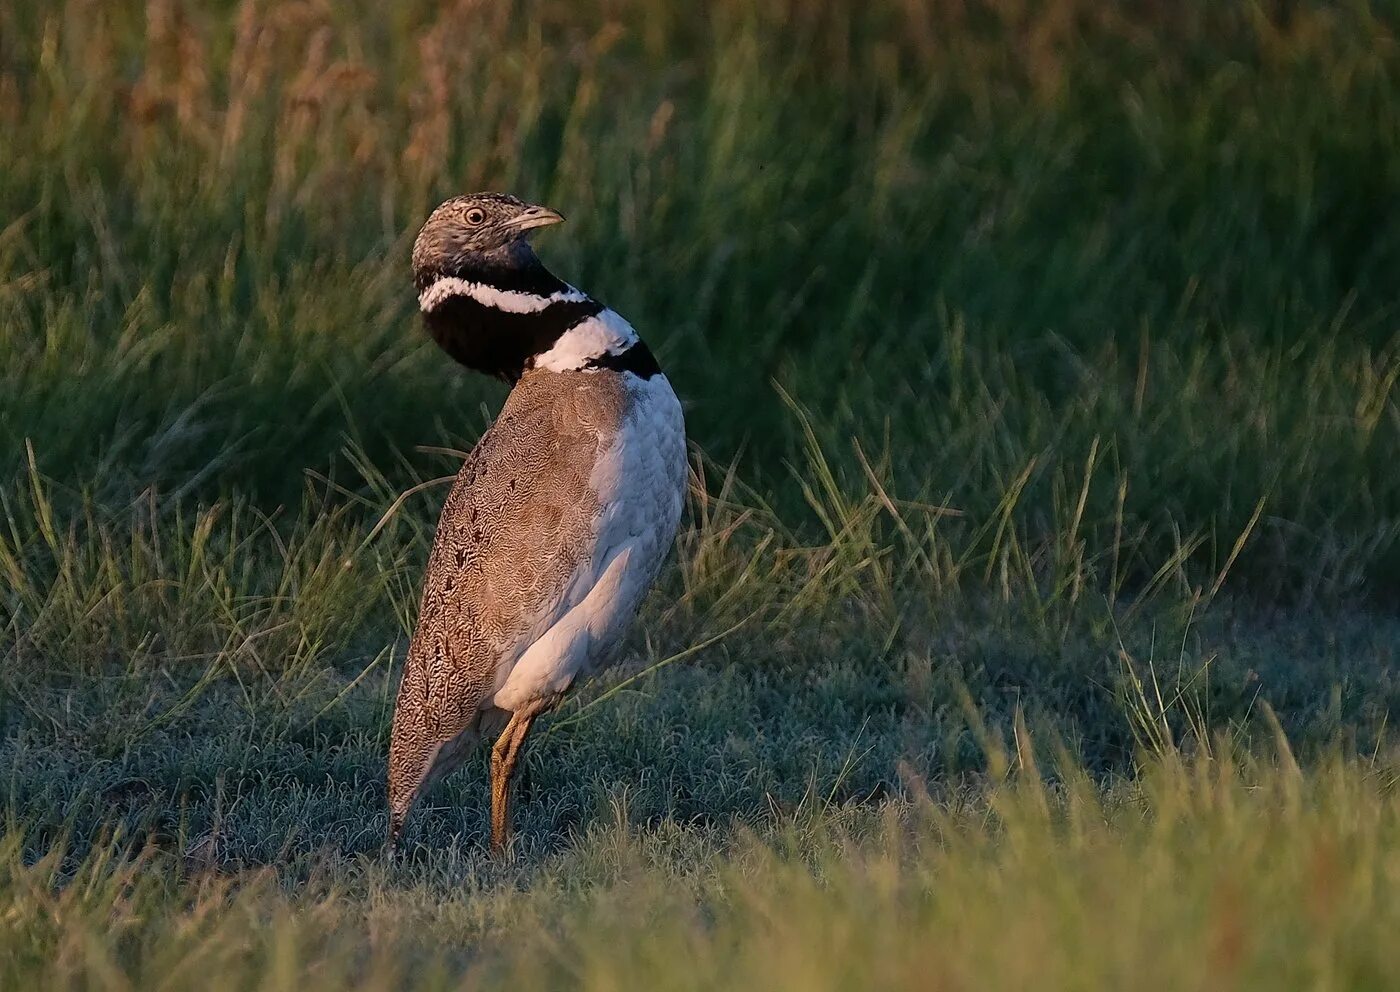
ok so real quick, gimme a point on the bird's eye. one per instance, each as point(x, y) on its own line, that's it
point(475, 215)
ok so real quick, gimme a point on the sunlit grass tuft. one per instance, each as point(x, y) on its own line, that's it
point(1214, 871)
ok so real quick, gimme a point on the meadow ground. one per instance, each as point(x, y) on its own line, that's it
point(1033, 620)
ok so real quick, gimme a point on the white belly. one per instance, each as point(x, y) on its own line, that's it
point(641, 484)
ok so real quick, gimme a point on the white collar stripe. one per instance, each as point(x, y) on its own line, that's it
point(506, 300)
point(605, 334)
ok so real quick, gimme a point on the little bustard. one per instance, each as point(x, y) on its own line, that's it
point(558, 520)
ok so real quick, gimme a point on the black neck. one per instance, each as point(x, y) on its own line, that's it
point(496, 341)
point(636, 359)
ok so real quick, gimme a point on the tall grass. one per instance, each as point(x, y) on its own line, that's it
point(1005, 235)
point(1040, 364)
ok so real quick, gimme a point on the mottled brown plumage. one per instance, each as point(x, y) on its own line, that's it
point(557, 521)
point(518, 520)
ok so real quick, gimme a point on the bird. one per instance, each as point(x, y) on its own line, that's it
point(559, 519)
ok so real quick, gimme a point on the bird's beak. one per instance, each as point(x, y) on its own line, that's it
point(533, 217)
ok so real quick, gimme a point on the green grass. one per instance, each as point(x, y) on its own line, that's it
point(1209, 874)
point(1040, 364)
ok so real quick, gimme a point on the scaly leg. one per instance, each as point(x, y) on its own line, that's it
point(504, 756)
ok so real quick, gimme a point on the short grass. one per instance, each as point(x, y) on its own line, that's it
point(1032, 623)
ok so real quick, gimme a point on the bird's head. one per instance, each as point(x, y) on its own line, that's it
point(479, 233)
point(490, 303)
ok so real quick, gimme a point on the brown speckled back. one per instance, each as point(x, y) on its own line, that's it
point(519, 520)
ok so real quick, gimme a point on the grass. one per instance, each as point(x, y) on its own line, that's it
point(1200, 874)
point(1032, 622)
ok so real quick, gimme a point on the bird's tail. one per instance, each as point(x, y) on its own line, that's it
point(417, 759)
point(432, 731)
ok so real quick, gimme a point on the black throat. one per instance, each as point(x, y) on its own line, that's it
point(496, 341)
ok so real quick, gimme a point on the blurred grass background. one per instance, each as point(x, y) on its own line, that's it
point(1040, 362)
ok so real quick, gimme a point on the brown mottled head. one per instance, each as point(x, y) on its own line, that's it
point(477, 236)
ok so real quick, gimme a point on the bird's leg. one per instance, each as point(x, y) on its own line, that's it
point(504, 756)
point(500, 787)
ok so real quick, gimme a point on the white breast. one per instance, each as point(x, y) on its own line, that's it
point(640, 480)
